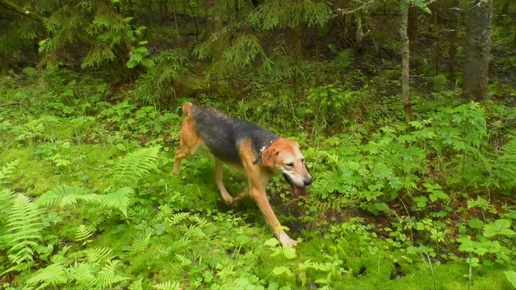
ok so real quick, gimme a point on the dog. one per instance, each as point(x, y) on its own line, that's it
point(246, 147)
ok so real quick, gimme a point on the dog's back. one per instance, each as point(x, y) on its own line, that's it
point(223, 134)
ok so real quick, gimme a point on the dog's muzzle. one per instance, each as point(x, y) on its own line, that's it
point(299, 190)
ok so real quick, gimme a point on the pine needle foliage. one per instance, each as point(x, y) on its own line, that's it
point(132, 167)
point(157, 84)
point(289, 14)
point(24, 230)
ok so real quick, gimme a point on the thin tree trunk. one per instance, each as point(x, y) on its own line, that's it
point(413, 23)
point(452, 61)
point(476, 65)
point(437, 36)
point(405, 72)
point(505, 8)
point(213, 20)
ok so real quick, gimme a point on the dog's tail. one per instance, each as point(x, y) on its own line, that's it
point(187, 108)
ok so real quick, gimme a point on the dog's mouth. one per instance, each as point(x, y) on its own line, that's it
point(297, 190)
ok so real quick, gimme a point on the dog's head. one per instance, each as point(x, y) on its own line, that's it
point(286, 156)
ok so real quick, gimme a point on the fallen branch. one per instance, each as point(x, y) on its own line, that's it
point(10, 104)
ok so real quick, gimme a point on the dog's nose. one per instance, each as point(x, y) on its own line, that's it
point(307, 181)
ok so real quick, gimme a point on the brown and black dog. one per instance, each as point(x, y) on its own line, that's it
point(248, 148)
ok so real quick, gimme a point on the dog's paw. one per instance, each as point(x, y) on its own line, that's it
point(286, 241)
point(227, 198)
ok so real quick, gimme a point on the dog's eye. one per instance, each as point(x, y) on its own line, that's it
point(303, 161)
point(290, 164)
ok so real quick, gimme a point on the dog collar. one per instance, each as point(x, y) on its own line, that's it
point(264, 148)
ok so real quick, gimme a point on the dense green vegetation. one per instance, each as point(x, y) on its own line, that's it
point(417, 195)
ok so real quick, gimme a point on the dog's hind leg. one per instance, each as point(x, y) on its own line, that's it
point(218, 178)
point(244, 194)
point(190, 140)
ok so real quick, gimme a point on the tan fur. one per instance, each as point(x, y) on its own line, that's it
point(280, 152)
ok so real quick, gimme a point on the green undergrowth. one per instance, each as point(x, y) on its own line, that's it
point(87, 200)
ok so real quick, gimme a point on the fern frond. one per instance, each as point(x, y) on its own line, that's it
point(73, 198)
point(508, 158)
point(167, 286)
point(24, 229)
point(7, 171)
point(56, 195)
point(133, 166)
point(505, 164)
point(6, 202)
point(108, 275)
point(140, 244)
point(136, 285)
point(82, 274)
point(98, 255)
point(54, 274)
point(118, 200)
point(82, 234)
point(178, 217)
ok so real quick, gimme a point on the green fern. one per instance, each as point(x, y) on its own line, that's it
point(64, 195)
point(167, 286)
point(118, 200)
point(25, 227)
point(136, 285)
point(140, 244)
point(108, 276)
point(98, 255)
point(82, 274)
point(505, 165)
point(6, 202)
point(83, 234)
point(54, 275)
point(7, 171)
point(133, 166)
point(178, 217)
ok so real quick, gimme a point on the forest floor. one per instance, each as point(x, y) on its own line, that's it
point(177, 228)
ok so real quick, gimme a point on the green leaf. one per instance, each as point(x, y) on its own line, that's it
point(243, 239)
point(382, 207)
point(476, 223)
point(511, 276)
point(271, 242)
point(437, 194)
point(289, 252)
point(499, 227)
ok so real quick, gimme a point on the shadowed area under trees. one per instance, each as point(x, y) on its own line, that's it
point(404, 111)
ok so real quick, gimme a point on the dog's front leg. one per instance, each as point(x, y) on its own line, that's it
point(261, 200)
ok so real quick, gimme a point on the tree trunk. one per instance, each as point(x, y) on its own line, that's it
point(478, 38)
point(213, 19)
point(413, 23)
point(452, 61)
point(405, 54)
point(505, 8)
point(437, 36)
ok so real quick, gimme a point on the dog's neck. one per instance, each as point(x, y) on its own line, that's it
point(263, 149)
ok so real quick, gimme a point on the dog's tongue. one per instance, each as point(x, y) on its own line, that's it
point(300, 191)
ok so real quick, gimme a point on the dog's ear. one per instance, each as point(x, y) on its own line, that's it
point(268, 157)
